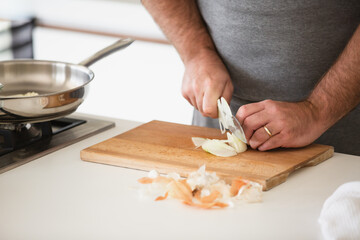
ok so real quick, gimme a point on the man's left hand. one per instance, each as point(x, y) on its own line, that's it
point(288, 124)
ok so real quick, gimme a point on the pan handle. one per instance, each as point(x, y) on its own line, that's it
point(120, 44)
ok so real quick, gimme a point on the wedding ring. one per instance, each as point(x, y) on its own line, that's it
point(268, 131)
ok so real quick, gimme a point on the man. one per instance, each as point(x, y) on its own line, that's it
point(290, 68)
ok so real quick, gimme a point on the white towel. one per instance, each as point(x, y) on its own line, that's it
point(340, 215)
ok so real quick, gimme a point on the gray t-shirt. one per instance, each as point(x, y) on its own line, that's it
point(280, 49)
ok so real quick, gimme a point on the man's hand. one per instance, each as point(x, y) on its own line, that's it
point(299, 124)
point(290, 124)
point(206, 79)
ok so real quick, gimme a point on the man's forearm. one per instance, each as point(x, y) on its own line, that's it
point(206, 78)
point(338, 92)
point(183, 25)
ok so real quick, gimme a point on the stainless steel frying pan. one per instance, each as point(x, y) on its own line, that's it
point(61, 87)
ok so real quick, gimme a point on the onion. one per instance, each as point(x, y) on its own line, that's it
point(236, 143)
point(218, 148)
point(225, 115)
point(198, 141)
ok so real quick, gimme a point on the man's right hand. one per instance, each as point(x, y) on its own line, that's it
point(206, 79)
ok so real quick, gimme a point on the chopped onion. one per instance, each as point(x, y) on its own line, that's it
point(225, 115)
point(198, 141)
point(236, 143)
point(218, 148)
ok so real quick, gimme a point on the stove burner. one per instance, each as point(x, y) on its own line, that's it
point(21, 143)
point(15, 136)
point(19, 135)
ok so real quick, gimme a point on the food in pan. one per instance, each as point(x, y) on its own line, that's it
point(27, 94)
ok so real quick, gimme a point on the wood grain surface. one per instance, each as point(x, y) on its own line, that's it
point(167, 147)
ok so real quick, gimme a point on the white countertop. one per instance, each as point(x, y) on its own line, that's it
point(59, 196)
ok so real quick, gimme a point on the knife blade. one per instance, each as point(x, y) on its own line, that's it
point(228, 121)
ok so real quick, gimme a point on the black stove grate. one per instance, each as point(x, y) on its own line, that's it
point(21, 135)
point(46, 138)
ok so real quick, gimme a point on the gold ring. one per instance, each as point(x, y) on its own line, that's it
point(268, 131)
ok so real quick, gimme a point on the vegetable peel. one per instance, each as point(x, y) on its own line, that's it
point(180, 190)
point(236, 185)
point(145, 180)
point(205, 190)
point(159, 198)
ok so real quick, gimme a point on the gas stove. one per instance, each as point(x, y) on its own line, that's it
point(22, 143)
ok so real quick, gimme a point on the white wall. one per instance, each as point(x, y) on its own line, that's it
point(112, 17)
point(141, 82)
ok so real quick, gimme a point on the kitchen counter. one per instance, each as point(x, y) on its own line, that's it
point(59, 196)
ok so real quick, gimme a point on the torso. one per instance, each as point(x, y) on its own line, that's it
point(279, 49)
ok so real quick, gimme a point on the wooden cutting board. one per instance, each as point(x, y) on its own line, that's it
point(167, 147)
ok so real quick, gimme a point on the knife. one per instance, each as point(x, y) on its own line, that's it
point(228, 121)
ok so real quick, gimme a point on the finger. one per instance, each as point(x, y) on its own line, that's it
point(187, 99)
point(260, 136)
point(191, 100)
point(188, 89)
point(197, 91)
point(247, 110)
point(254, 122)
point(275, 141)
point(187, 94)
point(228, 91)
point(210, 98)
point(199, 102)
